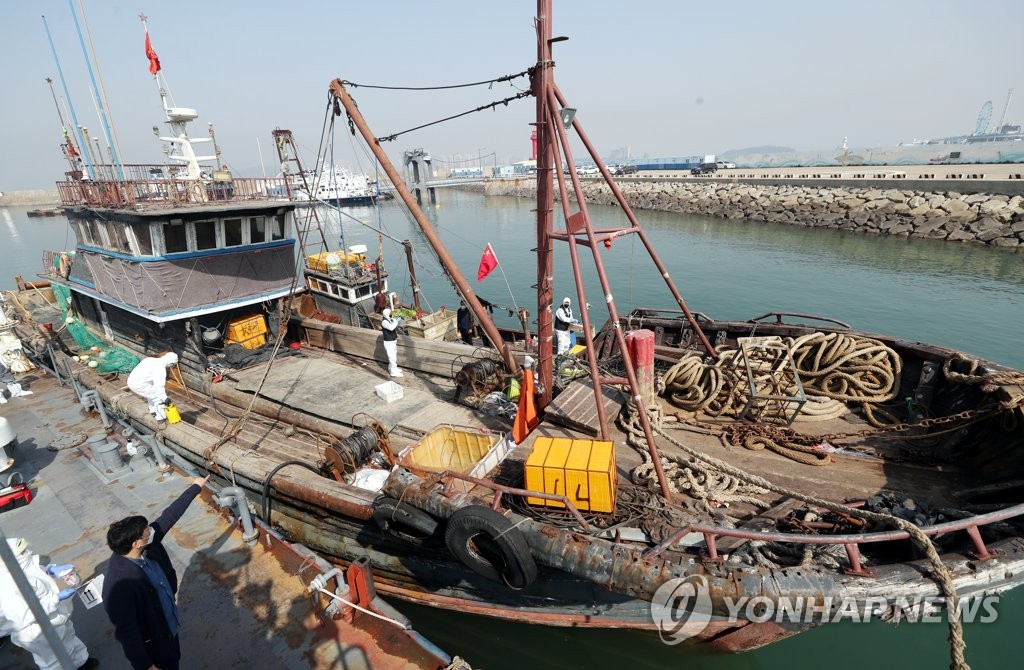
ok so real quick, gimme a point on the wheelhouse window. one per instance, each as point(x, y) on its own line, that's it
point(175, 238)
point(118, 238)
point(206, 235)
point(92, 236)
point(233, 233)
point(257, 230)
point(143, 241)
point(279, 228)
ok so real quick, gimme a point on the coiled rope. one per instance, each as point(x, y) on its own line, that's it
point(683, 475)
point(834, 369)
point(848, 368)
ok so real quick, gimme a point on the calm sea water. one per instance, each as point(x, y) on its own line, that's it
point(968, 298)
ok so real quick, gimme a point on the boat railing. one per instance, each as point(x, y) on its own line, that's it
point(173, 192)
point(501, 489)
point(850, 542)
point(779, 316)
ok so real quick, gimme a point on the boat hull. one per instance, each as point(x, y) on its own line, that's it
point(583, 582)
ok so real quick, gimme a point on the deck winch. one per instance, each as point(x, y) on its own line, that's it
point(354, 451)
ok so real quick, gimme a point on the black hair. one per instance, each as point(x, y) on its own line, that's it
point(123, 533)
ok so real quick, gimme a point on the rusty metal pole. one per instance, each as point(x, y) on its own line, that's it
point(595, 373)
point(338, 90)
point(639, 231)
point(412, 275)
point(542, 81)
point(613, 314)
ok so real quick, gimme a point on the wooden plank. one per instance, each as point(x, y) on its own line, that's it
point(332, 390)
point(576, 408)
point(431, 356)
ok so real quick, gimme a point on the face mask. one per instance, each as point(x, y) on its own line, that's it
point(149, 536)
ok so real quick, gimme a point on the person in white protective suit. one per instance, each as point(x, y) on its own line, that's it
point(149, 380)
point(390, 334)
point(17, 619)
point(563, 319)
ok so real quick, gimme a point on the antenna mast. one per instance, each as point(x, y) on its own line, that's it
point(1006, 107)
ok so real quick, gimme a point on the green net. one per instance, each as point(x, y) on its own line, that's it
point(109, 358)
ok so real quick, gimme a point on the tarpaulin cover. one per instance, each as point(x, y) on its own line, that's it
point(169, 286)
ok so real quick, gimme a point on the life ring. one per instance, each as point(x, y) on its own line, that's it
point(403, 520)
point(491, 546)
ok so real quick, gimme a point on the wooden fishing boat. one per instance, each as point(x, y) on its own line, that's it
point(779, 460)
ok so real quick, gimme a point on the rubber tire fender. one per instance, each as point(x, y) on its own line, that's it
point(403, 520)
point(491, 546)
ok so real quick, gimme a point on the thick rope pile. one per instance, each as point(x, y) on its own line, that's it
point(683, 475)
point(834, 369)
point(719, 389)
point(846, 367)
point(940, 573)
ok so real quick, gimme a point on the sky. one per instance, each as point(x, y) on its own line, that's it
point(654, 77)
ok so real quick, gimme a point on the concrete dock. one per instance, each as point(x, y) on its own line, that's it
point(240, 606)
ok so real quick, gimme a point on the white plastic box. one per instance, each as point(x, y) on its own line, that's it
point(389, 391)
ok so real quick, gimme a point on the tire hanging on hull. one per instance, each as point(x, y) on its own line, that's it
point(403, 520)
point(490, 545)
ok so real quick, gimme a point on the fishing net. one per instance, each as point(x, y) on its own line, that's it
point(109, 358)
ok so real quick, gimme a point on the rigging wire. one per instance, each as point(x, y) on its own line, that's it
point(492, 105)
point(366, 151)
point(382, 231)
point(490, 82)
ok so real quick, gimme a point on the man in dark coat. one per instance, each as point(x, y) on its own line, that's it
point(465, 323)
point(140, 586)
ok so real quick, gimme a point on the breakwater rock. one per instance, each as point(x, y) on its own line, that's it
point(989, 219)
point(29, 198)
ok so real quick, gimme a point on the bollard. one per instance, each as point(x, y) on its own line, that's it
point(640, 345)
point(106, 454)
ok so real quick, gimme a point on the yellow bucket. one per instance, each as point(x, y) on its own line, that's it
point(173, 415)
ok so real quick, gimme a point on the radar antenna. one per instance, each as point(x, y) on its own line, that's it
point(984, 117)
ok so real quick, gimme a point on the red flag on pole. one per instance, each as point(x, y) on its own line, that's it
point(487, 263)
point(154, 60)
point(526, 414)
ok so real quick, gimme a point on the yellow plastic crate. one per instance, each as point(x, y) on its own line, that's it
point(534, 468)
point(447, 448)
point(247, 328)
point(581, 470)
point(318, 262)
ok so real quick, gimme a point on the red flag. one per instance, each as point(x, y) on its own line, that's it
point(487, 263)
point(526, 414)
point(154, 60)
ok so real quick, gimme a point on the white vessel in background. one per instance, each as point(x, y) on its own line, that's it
point(336, 186)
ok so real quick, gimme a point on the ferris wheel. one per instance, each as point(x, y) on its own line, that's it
point(984, 118)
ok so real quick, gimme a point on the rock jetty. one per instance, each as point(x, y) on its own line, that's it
point(987, 219)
